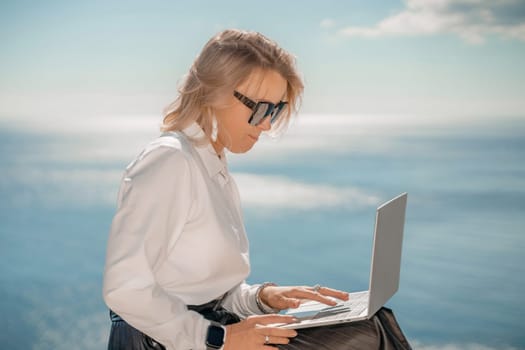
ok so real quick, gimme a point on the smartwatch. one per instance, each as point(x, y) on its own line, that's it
point(215, 336)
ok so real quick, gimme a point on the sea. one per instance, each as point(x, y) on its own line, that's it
point(309, 198)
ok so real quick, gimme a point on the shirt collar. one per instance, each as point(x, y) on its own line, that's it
point(214, 165)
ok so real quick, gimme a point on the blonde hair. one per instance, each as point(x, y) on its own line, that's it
point(224, 63)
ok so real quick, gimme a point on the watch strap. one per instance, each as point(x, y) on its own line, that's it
point(212, 342)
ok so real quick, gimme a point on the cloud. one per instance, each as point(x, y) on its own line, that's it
point(278, 192)
point(327, 23)
point(471, 20)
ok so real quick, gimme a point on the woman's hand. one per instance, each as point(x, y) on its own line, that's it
point(253, 333)
point(281, 298)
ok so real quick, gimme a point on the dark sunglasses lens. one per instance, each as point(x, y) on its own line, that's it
point(277, 112)
point(261, 111)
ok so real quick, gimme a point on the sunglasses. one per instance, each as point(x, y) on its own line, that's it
point(261, 110)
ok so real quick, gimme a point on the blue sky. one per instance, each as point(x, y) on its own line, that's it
point(425, 59)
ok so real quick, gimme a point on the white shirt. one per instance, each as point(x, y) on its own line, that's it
point(177, 239)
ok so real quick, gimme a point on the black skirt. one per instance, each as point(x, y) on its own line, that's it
point(381, 332)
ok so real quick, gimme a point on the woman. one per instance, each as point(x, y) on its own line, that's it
point(177, 253)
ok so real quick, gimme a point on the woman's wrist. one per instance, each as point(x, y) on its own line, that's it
point(263, 306)
point(227, 337)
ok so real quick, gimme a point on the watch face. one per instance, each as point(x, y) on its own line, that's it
point(215, 337)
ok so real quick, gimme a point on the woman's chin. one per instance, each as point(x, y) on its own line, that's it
point(241, 149)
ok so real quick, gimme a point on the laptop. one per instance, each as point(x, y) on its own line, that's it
point(384, 275)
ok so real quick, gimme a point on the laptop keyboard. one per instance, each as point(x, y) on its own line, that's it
point(346, 309)
point(311, 311)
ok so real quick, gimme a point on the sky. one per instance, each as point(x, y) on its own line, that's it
point(417, 59)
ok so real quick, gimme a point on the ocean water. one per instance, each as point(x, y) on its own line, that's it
point(309, 203)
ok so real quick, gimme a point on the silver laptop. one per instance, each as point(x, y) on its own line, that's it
point(384, 274)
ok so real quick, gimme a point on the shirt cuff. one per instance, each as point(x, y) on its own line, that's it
point(263, 307)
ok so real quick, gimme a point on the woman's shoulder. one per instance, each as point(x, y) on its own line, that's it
point(167, 150)
point(173, 142)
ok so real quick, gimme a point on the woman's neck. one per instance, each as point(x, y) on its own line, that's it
point(218, 147)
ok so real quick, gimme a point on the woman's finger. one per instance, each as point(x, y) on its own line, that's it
point(333, 293)
point(288, 303)
point(310, 294)
point(276, 332)
point(271, 319)
point(274, 340)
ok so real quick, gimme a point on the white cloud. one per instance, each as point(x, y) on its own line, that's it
point(472, 20)
point(327, 23)
point(278, 192)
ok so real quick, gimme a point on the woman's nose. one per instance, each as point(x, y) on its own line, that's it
point(265, 125)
